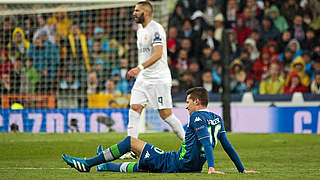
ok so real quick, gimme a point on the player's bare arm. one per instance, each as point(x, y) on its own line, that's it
point(154, 58)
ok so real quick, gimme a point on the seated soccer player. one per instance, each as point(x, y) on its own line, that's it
point(204, 131)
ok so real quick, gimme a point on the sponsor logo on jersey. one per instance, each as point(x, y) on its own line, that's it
point(144, 50)
point(214, 122)
point(197, 119)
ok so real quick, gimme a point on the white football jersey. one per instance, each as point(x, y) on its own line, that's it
point(153, 35)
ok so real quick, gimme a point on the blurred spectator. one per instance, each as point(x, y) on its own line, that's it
point(19, 45)
point(267, 30)
point(174, 70)
point(298, 66)
point(251, 47)
point(245, 59)
point(62, 24)
point(286, 57)
point(298, 28)
point(110, 88)
point(215, 60)
point(98, 55)
point(45, 84)
point(208, 83)
point(5, 65)
point(93, 83)
point(315, 66)
point(121, 84)
point(256, 37)
point(278, 20)
point(234, 46)
point(210, 11)
point(237, 77)
point(295, 47)
point(205, 56)
point(273, 83)
point(241, 30)
point(186, 31)
point(32, 74)
point(5, 87)
point(99, 36)
point(98, 67)
point(273, 48)
point(294, 84)
point(250, 20)
point(19, 80)
point(123, 30)
point(182, 62)
point(186, 44)
point(6, 30)
point(255, 9)
point(261, 65)
point(172, 40)
point(123, 68)
point(69, 85)
point(310, 41)
point(307, 58)
point(194, 68)
point(218, 26)
point(178, 16)
point(231, 11)
point(284, 40)
point(77, 53)
point(28, 27)
point(209, 40)
point(217, 75)
point(186, 82)
point(44, 28)
point(251, 85)
point(45, 56)
point(289, 9)
point(315, 84)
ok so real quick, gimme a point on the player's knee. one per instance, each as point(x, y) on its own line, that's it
point(137, 108)
point(165, 113)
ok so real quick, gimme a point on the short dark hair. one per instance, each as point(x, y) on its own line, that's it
point(146, 4)
point(199, 93)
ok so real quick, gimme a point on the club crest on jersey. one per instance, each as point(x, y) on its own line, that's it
point(197, 119)
point(157, 37)
point(145, 37)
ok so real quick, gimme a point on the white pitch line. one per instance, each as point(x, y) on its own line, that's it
point(31, 168)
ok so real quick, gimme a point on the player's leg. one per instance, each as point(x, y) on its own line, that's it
point(110, 154)
point(134, 120)
point(119, 167)
point(123, 167)
point(173, 121)
point(137, 101)
point(159, 96)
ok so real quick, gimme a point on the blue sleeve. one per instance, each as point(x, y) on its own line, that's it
point(228, 148)
point(199, 124)
point(208, 150)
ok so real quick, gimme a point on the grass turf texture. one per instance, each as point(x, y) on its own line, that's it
point(276, 156)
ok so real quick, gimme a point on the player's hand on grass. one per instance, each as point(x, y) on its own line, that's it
point(133, 72)
point(212, 171)
point(250, 172)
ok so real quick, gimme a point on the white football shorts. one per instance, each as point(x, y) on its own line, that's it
point(158, 96)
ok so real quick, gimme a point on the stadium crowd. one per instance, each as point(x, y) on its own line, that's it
point(274, 48)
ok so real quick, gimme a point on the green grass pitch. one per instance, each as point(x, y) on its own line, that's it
point(276, 156)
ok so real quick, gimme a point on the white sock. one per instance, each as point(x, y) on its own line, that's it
point(176, 126)
point(134, 122)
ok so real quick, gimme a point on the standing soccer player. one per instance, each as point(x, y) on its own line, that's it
point(205, 130)
point(153, 83)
